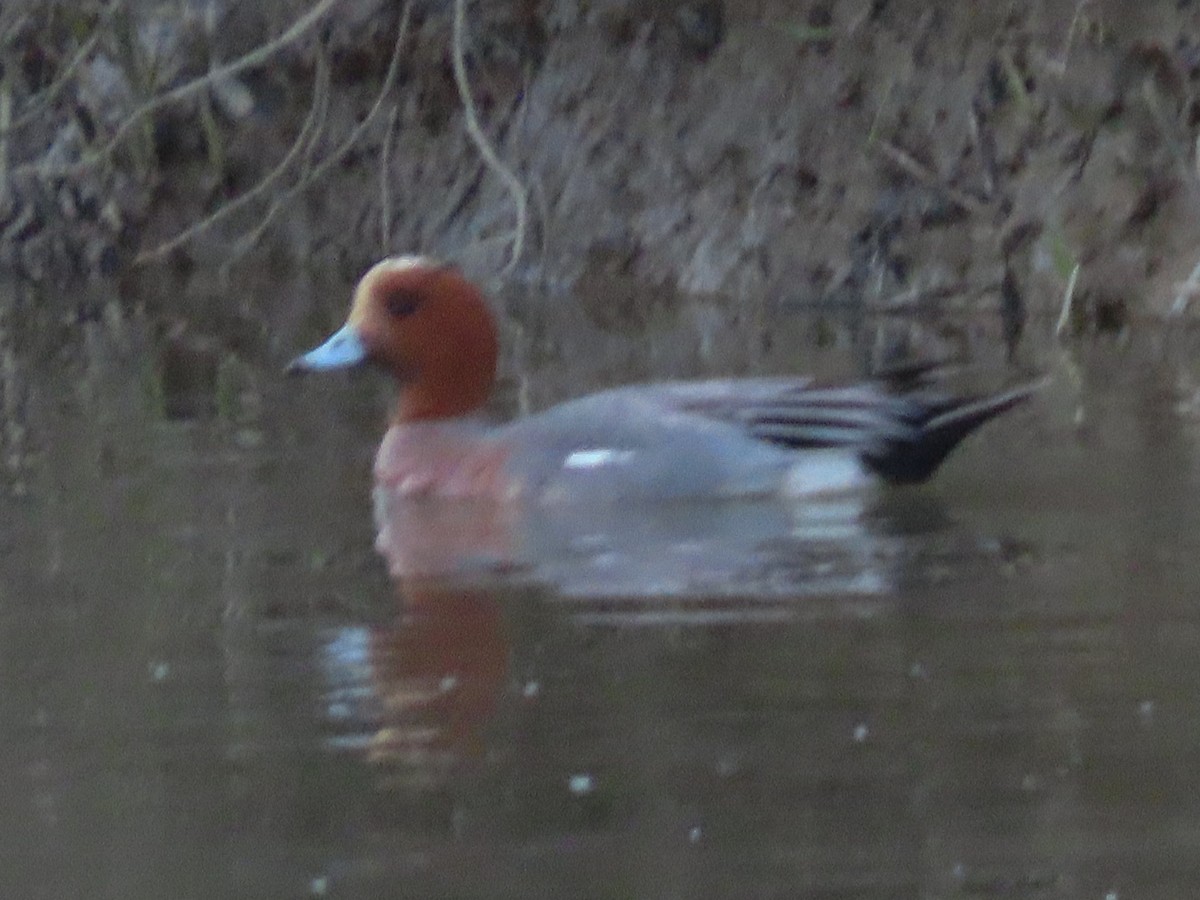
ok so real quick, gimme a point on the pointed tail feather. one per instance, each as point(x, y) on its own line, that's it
point(913, 456)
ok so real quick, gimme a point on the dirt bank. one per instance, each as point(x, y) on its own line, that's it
point(877, 153)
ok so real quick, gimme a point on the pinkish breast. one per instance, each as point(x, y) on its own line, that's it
point(446, 460)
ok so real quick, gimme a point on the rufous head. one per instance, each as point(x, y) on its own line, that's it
point(425, 323)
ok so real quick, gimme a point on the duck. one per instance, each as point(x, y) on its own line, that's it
point(428, 325)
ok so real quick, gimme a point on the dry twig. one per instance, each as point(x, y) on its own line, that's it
point(385, 184)
point(253, 58)
point(5, 119)
point(37, 103)
point(1064, 317)
point(304, 139)
point(1187, 292)
point(1060, 64)
point(326, 163)
point(905, 161)
point(515, 189)
point(302, 149)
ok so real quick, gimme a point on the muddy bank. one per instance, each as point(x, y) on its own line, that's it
point(876, 154)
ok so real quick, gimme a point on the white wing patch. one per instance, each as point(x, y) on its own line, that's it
point(596, 457)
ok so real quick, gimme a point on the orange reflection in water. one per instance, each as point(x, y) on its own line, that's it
point(436, 677)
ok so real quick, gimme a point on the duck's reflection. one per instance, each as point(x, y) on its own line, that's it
point(414, 695)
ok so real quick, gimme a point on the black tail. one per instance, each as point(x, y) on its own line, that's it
point(934, 428)
point(902, 432)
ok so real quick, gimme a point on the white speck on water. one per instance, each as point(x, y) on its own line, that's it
point(531, 689)
point(695, 834)
point(249, 438)
point(319, 886)
point(448, 683)
point(1112, 895)
point(959, 871)
point(581, 785)
point(860, 732)
point(159, 671)
point(1146, 709)
point(916, 670)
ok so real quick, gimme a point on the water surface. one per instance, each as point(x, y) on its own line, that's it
point(986, 688)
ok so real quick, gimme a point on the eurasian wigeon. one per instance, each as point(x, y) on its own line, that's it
point(429, 326)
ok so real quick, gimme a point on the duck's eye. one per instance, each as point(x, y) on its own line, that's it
point(400, 303)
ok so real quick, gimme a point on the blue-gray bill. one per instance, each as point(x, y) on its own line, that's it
point(343, 349)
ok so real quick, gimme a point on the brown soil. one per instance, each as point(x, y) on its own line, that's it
point(879, 154)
